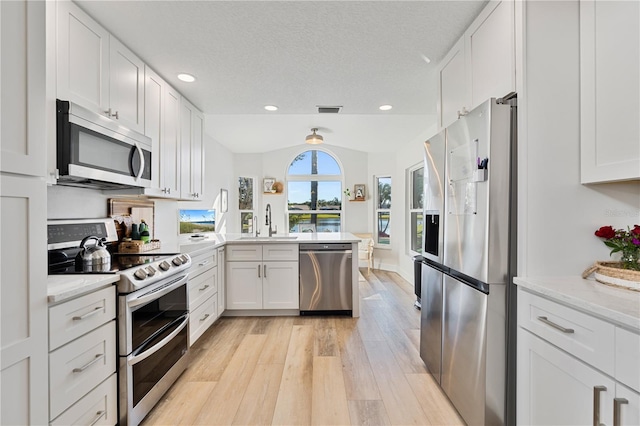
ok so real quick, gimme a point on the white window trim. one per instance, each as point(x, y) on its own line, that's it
point(319, 178)
point(410, 210)
point(376, 210)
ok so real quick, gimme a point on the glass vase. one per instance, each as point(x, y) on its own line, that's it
point(630, 258)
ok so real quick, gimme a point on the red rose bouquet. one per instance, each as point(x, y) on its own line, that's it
point(626, 242)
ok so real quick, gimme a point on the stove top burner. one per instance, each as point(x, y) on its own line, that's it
point(65, 264)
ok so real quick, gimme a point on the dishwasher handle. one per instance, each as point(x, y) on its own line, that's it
point(349, 252)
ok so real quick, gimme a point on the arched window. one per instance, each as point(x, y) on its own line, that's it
point(314, 193)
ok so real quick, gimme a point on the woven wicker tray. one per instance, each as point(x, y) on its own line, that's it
point(611, 273)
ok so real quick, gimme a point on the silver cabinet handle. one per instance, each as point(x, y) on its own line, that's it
point(265, 271)
point(98, 309)
point(204, 288)
point(556, 326)
point(596, 404)
point(99, 415)
point(97, 358)
point(617, 402)
point(112, 114)
point(203, 263)
point(258, 271)
point(204, 317)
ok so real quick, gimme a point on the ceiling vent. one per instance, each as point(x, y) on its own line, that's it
point(329, 109)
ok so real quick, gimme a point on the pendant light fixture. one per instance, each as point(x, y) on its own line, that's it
point(314, 139)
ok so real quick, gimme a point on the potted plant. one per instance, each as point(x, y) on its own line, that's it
point(626, 272)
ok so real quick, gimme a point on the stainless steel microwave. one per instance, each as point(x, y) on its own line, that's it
point(95, 151)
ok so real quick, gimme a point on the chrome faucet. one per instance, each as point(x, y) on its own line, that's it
point(255, 226)
point(268, 221)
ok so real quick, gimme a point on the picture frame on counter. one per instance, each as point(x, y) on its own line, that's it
point(267, 185)
point(224, 200)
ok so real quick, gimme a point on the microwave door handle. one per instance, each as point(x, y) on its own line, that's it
point(141, 153)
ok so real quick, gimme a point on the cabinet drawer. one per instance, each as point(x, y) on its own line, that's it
point(92, 356)
point(79, 316)
point(244, 252)
point(202, 287)
point(201, 318)
point(587, 338)
point(98, 407)
point(280, 252)
point(627, 363)
point(202, 263)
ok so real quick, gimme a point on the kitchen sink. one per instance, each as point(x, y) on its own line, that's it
point(278, 238)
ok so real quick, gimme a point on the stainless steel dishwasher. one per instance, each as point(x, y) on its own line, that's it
point(326, 279)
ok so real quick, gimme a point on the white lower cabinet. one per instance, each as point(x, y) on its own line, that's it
point(262, 277)
point(221, 281)
point(82, 360)
point(203, 293)
point(565, 367)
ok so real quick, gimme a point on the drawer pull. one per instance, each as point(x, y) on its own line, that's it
point(617, 402)
point(596, 404)
point(258, 271)
point(204, 317)
point(204, 288)
point(88, 314)
point(203, 263)
point(97, 358)
point(556, 326)
point(265, 271)
point(99, 415)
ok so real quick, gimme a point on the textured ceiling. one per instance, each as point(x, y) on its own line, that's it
point(297, 55)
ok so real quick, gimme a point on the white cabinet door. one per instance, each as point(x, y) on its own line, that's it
point(82, 58)
point(628, 406)
point(153, 125)
point(554, 388)
point(221, 281)
point(170, 144)
point(280, 289)
point(126, 86)
point(22, 84)
point(244, 285)
point(609, 90)
point(453, 90)
point(191, 152)
point(491, 52)
point(23, 301)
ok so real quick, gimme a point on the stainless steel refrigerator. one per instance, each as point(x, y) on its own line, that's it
point(467, 280)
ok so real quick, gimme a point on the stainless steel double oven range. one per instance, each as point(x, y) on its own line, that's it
point(152, 319)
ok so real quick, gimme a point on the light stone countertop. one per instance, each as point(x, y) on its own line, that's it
point(63, 287)
point(614, 304)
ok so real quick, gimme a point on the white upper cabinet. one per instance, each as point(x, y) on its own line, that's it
point(609, 91)
point(481, 65)
point(453, 85)
point(95, 70)
point(191, 152)
point(162, 113)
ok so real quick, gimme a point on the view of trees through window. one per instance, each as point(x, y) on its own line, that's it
point(245, 204)
point(383, 210)
point(416, 179)
point(314, 193)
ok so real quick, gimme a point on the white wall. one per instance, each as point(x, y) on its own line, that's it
point(557, 214)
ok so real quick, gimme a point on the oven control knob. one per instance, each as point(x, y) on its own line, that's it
point(164, 265)
point(140, 274)
point(184, 258)
point(177, 261)
point(150, 271)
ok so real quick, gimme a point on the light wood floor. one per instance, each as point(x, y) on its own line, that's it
point(312, 370)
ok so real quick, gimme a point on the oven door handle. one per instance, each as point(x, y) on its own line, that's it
point(155, 348)
point(152, 295)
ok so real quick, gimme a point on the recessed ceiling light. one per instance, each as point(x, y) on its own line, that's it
point(271, 107)
point(187, 78)
point(385, 107)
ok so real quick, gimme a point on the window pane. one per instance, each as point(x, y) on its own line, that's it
point(246, 223)
point(417, 178)
point(324, 222)
point(416, 231)
point(314, 195)
point(245, 198)
point(383, 228)
point(314, 163)
point(384, 193)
